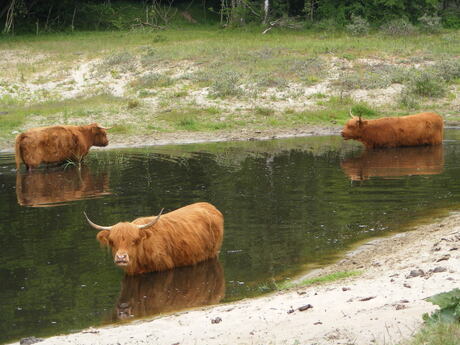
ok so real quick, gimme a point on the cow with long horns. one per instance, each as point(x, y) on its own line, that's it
point(56, 144)
point(412, 130)
point(183, 237)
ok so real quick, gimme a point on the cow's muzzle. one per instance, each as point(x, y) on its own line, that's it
point(344, 136)
point(121, 259)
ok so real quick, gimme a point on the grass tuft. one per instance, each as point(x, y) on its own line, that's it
point(320, 280)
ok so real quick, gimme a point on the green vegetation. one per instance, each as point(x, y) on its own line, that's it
point(396, 16)
point(284, 79)
point(437, 334)
point(449, 303)
point(320, 280)
point(442, 327)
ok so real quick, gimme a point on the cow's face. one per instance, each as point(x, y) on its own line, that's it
point(99, 135)
point(353, 128)
point(124, 240)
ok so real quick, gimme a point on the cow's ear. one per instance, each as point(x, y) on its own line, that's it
point(362, 123)
point(103, 237)
point(144, 234)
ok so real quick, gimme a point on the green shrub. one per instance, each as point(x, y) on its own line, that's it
point(268, 80)
point(451, 19)
point(363, 109)
point(430, 24)
point(226, 84)
point(149, 57)
point(398, 27)
point(133, 103)
point(408, 100)
point(363, 80)
point(310, 70)
point(359, 26)
point(123, 61)
point(448, 70)
point(449, 303)
point(263, 111)
point(426, 84)
point(329, 24)
point(152, 80)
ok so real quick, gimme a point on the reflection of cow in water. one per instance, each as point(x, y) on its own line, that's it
point(167, 291)
point(422, 160)
point(45, 188)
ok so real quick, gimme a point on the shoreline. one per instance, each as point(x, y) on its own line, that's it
point(183, 138)
point(383, 305)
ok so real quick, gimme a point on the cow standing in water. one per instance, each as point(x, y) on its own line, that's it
point(56, 144)
point(183, 237)
point(411, 130)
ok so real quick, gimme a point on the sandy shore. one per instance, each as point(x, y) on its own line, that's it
point(184, 137)
point(383, 305)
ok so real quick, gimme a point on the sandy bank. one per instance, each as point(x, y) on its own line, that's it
point(184, 137)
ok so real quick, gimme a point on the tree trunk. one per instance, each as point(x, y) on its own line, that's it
point(266, 10)
point(9, 17)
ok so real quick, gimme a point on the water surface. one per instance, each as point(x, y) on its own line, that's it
point(288, 205)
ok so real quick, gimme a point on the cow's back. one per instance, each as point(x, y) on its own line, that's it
point(411, 130)
point(184, 237)
point(47, 145)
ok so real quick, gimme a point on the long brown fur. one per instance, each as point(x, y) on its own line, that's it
point(390, 163)
point(171, 290)
point(57, 143)
point(182, 237)
point(412, 130)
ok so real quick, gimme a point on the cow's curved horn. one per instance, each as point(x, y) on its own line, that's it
point(106, 128)
point(95, 226)
point(152, 222)
point(351, 114)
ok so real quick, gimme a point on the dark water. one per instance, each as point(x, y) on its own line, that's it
point(288, 205)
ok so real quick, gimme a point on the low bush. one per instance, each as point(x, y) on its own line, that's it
point(408, 100)
point(447, 69)
point(449, 303)
point(426, 84)
point(358, 26)
point(226, 84)
point(363, 109)
point(430, 24)
point(152, 80)
point(398, 27)
point(122, 61)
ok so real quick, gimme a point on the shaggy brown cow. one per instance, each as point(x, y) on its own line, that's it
point(57, 143)
point(47, 188)
point(411, 130)
point(395, 162)
point(172, 290)
point(180, 238)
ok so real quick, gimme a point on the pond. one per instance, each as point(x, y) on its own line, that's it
point(289, 205)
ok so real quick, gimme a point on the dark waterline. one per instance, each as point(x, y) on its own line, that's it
point(288, 204)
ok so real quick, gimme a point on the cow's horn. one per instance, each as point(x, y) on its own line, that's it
point(95, 226)
point(351, 114)
point(152, 222)
point(106, 128)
